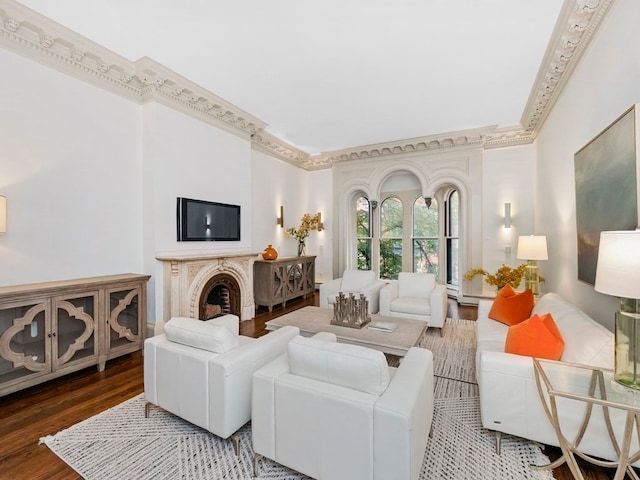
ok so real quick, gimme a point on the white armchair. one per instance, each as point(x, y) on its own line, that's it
point(202, 371)
point(353, 281)
point(337, 411)
point(416, 296)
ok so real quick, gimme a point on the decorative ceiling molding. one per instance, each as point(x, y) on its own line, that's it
point(273, 146)
point(577, 23)
point(37, 37)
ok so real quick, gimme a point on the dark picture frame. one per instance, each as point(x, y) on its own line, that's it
point(606, 189)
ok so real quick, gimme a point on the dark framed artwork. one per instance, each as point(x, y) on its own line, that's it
point(606, 189)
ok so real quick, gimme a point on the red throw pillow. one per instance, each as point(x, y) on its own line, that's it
point(537, 336)
point(510, 307)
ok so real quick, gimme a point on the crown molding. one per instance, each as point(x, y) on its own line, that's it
point(577, 24)
point(37, 37)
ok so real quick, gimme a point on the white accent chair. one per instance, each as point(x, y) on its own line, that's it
point(202, 371)
point(336, 411)
point(417, 296)
point(356, 282)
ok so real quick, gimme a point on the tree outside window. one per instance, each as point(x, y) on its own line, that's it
point(363, 233)
point(452, 237)
point(391, 212)
point(425, 236)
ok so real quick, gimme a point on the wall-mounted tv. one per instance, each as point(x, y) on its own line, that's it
point(199, 220)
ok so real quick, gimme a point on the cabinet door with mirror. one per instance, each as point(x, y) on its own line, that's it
point(74, 330)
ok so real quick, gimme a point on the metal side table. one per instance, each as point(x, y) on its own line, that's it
point(591, 386)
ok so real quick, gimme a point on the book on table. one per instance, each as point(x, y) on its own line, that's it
point(382, 326)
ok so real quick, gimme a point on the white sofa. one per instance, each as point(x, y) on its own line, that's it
point(509, 399)
point(356, 282)
point(211, 389)
point(337, 412)
point(417, 296)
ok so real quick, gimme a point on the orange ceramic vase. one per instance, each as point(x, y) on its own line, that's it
point(269, 253)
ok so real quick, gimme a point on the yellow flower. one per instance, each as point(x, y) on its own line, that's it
point(504, 275)
point(308, 223)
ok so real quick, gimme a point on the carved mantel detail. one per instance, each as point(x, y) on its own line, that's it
point(35, 36)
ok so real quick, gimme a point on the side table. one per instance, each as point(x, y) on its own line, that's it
point(591, 386)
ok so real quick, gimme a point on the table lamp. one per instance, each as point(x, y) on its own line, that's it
point(532, 248)
point(618, 274)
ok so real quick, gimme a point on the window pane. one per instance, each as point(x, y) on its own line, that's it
point(454, 204)
point(453, 267)
point(363, 219)
point(425, 220)
point(390, 258)
point(425, 256)
point(391, 218)
point(364, 254)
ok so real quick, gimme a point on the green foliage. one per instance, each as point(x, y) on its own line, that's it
point(390, 258)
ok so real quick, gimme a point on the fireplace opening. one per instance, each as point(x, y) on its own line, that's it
point(220, 296)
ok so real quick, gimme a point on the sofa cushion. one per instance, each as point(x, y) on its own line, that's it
point(354, 280)
point(351, 366)
point(412, 305)
point(417, 285)
point(198, 334)
point(586, 341)
point(510, 307)
point(537, 336)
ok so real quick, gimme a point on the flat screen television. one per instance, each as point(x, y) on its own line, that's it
point(199, 220)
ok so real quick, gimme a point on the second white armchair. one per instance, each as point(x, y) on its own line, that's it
point(417, 296)
point(356, 282)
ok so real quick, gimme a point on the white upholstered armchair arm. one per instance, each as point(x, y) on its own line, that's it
point(387, 294)
point(439, 303)
point(329, 288)
point(403, 416)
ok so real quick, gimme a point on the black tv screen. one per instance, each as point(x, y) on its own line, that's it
point(199, 220)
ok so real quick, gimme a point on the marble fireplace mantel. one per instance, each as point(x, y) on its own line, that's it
point(186, 272)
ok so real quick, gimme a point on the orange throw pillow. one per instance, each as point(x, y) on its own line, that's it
point(537, 336)
point(510, 307)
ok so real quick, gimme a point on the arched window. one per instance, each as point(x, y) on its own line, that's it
point(363, 232)
point(425, 236)
point(391, 213)
point(452, 238)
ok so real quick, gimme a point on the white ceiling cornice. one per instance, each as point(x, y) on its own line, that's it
point(37, 37)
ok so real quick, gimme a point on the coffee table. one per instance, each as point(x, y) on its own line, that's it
point(311, 320)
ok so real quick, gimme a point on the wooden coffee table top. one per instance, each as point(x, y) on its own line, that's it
point(311, 320)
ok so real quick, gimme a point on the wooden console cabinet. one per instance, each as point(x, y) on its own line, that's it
point(283, 279)
point(51, 329)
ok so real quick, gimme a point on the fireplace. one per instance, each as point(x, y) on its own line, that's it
point(196, 283)
point(220, 296)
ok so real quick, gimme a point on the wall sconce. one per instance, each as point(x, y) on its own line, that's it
point(507, 215)
point(374, 204)
point(280, 219)
point(3, 214)
point(320, 224)
point(428, 201)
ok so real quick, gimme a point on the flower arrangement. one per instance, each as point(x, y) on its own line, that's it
point(308, 223)
point(504, 275)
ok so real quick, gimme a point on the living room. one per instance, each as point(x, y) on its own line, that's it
point(92, 166)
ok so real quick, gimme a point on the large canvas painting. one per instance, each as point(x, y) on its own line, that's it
point(606, 189)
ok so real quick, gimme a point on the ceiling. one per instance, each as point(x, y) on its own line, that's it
point(332, 74)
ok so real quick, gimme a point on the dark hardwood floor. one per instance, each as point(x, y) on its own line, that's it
point(28, 415)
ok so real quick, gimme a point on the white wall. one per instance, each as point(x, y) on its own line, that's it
point(508, 177)
point(184, 157)
point(71, 171)
point(604, 85)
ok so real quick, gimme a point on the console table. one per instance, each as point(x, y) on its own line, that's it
point(51, 329)
point(283, 279)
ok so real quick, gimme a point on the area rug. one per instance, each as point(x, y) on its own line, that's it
point(122, 444)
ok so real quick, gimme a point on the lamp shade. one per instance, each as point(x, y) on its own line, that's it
point(618, 268)
point(532, 247)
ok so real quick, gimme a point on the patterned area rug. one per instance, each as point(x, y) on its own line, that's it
point(122, 444)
